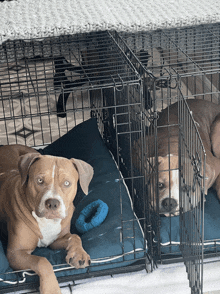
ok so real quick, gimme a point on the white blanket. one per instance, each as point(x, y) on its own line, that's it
point(27, 19)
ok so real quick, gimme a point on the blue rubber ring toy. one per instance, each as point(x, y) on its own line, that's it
point(92, 216)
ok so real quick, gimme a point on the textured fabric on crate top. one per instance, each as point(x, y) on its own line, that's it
point(27, 19)
point(119, 240)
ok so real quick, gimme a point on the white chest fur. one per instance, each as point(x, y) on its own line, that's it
point(50, 230)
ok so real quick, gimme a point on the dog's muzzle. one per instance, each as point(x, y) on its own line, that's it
point(169, 207)
point(51, 207)
point(169, 204)
point(52, 204)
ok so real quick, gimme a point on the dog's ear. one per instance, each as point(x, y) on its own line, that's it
point(150, 163)
point(85, 171)
point(25, 163)
point(210, 177)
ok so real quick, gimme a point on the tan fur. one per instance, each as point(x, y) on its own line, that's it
point(215, 140)
point(167, 184)
point(204, 114)
point(25, 178)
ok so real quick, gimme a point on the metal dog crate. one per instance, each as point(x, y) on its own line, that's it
point(176, 65)
point(124, 80)
point(48, 86)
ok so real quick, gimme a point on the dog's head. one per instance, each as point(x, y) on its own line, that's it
point(168, 187)
point(50, 183)
point(165, 184)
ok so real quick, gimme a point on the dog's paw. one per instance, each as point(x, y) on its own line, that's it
point(78, 258)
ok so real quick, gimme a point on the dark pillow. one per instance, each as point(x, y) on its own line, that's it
point(82, 142)
point(4, 265)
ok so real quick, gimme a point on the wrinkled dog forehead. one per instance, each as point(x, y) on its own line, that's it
point(51, 165)
point(34, 163)
point(168, 162)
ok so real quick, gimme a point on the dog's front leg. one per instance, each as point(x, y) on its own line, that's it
point(21, 243)
point(76, 255)
point(22, 259)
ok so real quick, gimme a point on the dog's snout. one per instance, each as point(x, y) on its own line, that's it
point(52, 204)
point(169, 204)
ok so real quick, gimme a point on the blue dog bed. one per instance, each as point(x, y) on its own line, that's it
point(170, 227)
point(118, 240)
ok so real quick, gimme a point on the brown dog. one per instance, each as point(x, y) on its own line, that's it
point(215, 140)
point(204, 114)
point(36, 201)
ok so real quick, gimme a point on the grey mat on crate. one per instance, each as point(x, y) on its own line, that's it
point(27, 19)
point(116, 242)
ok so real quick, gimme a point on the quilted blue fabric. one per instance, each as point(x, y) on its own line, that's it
point(4, 265)
point(92, 216)
point(170, 227)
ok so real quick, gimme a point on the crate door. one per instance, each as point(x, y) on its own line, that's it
point(192, 170)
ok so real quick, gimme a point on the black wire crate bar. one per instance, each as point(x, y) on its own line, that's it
point(80, 96)
point(177, 66)
point(50, 69)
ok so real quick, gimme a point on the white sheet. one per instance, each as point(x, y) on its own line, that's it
point(166, 279)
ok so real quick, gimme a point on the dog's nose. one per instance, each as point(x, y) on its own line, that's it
point(52, 204)
point(169, 204)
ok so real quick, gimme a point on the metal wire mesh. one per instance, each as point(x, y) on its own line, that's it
point(192, 53)
point(45, 80)
point(49, 86)
point(180, 64)
point(192, 157)
point(178, 51)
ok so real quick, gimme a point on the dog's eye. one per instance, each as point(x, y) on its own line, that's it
point(40, 181)
point(161, 186)
point(66, 183)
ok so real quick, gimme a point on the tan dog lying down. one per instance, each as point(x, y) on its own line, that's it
point(36, 201)
point(204, 113)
